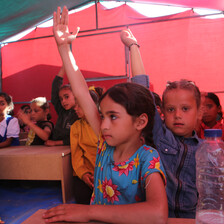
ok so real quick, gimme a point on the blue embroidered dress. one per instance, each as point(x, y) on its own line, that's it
point(123, 183)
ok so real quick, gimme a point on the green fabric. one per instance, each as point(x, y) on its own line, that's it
point(19, 15)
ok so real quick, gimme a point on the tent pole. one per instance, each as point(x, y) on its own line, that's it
point(0, 68)
point(96, 14)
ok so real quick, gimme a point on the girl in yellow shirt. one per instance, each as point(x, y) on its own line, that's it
point(83, 142)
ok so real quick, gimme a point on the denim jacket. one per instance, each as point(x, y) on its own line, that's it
point(178, 157)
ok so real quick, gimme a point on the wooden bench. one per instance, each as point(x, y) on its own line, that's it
point(38, 163)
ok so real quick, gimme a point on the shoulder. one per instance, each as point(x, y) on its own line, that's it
point(11, 121)
point(43, 124)
point(147, 152)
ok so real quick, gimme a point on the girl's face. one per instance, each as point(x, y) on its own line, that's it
point(180, 112)
point(79, 111)
point(67, 99)
point(210, 112)
point(37, 113)
point(117, 125)
point(4, 107)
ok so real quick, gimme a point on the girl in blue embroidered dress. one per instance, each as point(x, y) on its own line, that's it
point(129, 176)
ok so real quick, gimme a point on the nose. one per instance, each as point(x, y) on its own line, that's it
point(105, 124)
point(178, 113)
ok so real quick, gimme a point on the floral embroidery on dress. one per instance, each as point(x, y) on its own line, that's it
point(155, 163)
point(136, 164)
point(123, 167)
point(110, 191)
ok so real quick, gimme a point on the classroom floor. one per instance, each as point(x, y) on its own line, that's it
point(20, 199)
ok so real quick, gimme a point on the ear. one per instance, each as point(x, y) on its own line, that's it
point(141, 121)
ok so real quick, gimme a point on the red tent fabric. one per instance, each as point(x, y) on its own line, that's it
point(171, 48)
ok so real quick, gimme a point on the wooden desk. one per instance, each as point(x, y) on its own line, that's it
point(38, 163)
point(36, 218)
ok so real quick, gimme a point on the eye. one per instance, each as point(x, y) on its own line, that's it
point(185, 109)
point(101, 117)
point(170, 109)
point(113, 117)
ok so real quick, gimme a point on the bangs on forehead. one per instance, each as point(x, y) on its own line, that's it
point(185, 85)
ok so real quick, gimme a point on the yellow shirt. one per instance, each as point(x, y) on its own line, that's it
point(83, 142)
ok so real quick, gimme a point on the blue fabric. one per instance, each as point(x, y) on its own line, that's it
point(172, 150)
point(21, 199)
point(15, 141)
point(123, 183)
point(180, 168)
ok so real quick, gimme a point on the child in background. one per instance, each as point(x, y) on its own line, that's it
point(175, 138)
point(39, 124)
point(212, 115)
point(9, 126)
point(128, 177)
point(23, 127)
point(83, 150)
point(64, 103)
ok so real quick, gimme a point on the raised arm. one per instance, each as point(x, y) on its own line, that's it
point(56, 84)
point(130, 41)
point(78, 84)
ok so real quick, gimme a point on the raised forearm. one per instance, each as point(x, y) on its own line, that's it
point(137, 66)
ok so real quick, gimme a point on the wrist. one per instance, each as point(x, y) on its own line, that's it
point(134, 44)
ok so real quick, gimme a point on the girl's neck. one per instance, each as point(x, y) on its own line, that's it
point(124, 151)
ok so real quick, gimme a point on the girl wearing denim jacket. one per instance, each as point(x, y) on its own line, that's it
point(175, 137)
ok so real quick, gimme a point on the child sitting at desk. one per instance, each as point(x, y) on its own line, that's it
point(64, 103)
point(129, 180)
point(83, 150)
point(39, 124)
point(9, 126)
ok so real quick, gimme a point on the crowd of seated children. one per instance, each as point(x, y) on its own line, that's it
point(39, 122)
point(129, 180)
point(9, 125)
point(64, 103)
point(212, 117)
point(83, 151)
point(127, 112)
point(175, 137)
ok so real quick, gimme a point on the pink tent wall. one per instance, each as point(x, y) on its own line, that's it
point(174, 49)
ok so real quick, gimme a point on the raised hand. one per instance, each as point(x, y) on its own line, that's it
point(60, 27)
point(127, 37)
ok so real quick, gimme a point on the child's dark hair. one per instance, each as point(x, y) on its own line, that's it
point(186, 85)
point(158, 100)
point(215, 99)
point(42, 103)
point(96, 93)
point(137, 100)
point(66, 86)
point(8, 100)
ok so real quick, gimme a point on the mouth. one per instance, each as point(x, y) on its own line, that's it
point(107, 136)
point(178, 124)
